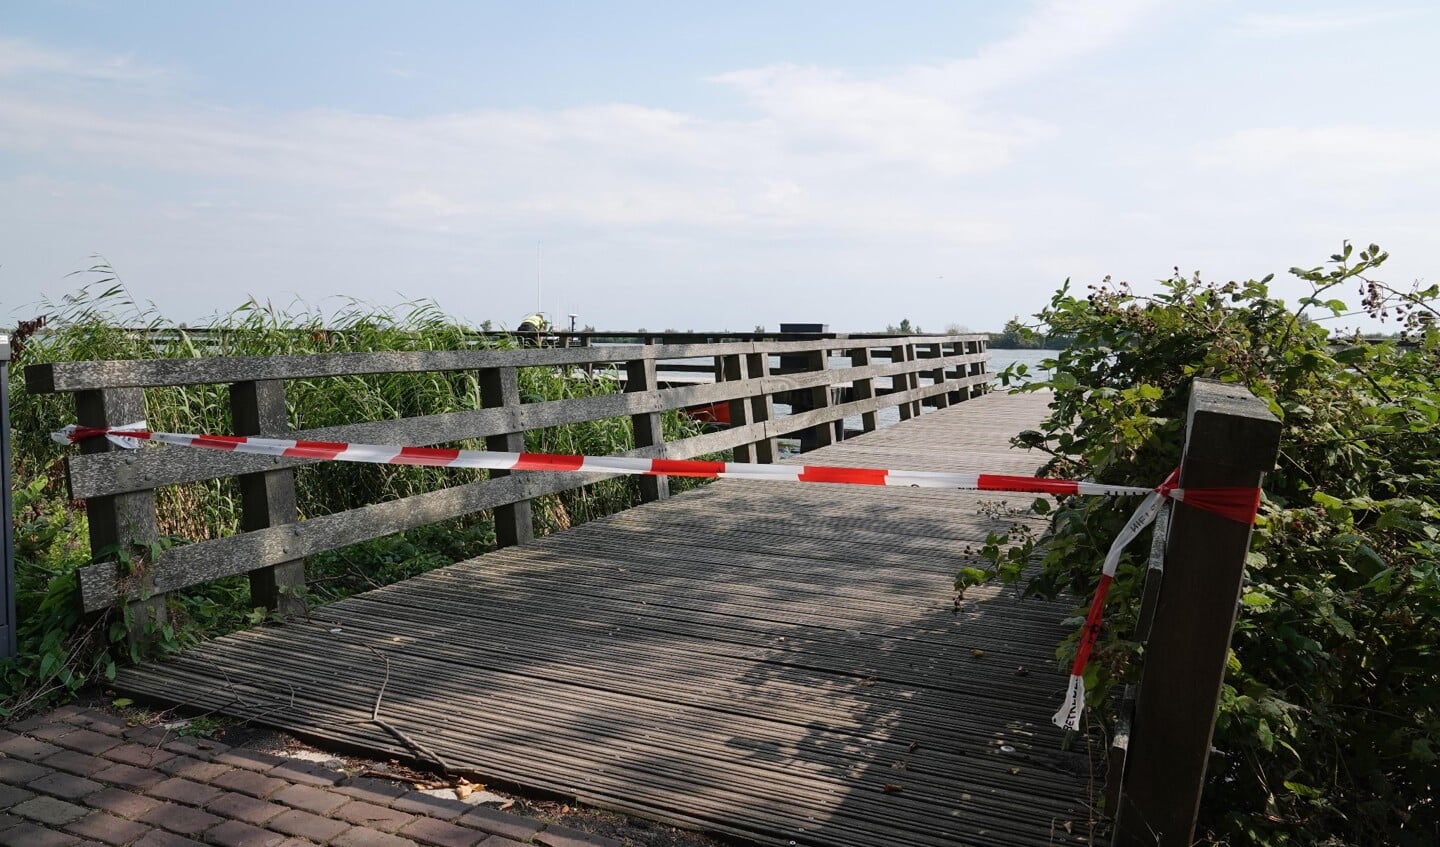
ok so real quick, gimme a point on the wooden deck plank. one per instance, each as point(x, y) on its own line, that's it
point(755, 659)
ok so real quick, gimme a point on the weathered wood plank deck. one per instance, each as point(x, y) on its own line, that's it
point(783, 663)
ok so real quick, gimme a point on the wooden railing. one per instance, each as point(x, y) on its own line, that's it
point(749, 377)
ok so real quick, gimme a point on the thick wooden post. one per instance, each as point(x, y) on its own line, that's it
point(640, 378)
point(978, 368)
point(905, 381)
point(268, 498)
point(937, 375)
point(1231, 441)
point(500, 387)
point(821, 435)
point(864, 389)
point(734, 369)
point(762, 408)
point(121, 523)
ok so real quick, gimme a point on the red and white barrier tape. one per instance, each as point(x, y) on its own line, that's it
point(131, 436)
point(1237, 504)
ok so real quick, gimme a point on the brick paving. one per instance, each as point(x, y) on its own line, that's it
point(81, 778)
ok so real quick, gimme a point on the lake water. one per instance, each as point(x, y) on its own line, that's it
point(1002, 359)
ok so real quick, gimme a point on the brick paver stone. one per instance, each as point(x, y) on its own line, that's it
point(359, 837)
point(148, 736)
point(80, 764)
point(181, 820)
point(129, 776)
point(501, 823)
point(66, 785)
point(310, 798)
point(435, 807)
point(441, 834)
point(108, 829)
point(29, 749)
point(237, 834)
point(249, 782)
point(252, 760)
point(497, 841)
point(52, 730)
point(30, 835)
point(101, 722)
point(19, 772)
point(185, 791)
point(200, 748)
point(87, 741)
point(49, 811)
point(194, 769)
point(243, 807)
point(563, 836)
point(10, 795)
point(369, 814)
point(306, 825)
point(375, 791)
point(307, 772)
point(139, 755)
point(161, 838)
point(118, 801)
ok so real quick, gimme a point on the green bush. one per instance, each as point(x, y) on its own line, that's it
point(1329, 722)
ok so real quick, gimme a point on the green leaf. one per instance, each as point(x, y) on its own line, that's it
point(1254, 598)
point(1265, 734)
point(1421, 751)
point(1064, 381)
point(1381, 581)
point(122, 702)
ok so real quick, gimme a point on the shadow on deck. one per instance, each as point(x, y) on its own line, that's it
point(782, 663)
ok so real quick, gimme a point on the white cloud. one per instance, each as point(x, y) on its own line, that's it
point(1302, 23)
point(1329, 152)
point(21, 58)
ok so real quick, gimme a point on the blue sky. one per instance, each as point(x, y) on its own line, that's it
point(707, 166)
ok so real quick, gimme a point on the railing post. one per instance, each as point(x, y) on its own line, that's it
point(903, 381)
point(936, 350)
point(640, 378)
point(762, 407)
point(1231, 441)
point(268, 498)
point(979, 368)
point(121, 522)
point(734, 368)
point(7, 512)
point(820, 435)
point(864, 389)
point(514, 522)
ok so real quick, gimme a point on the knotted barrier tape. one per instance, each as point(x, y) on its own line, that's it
point(1237, 504)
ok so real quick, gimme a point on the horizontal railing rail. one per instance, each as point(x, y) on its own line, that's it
point(823, 380)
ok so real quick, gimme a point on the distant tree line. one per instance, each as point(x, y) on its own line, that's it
point(1017, 336)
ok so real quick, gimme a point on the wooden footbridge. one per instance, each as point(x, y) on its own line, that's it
point(782, 663)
